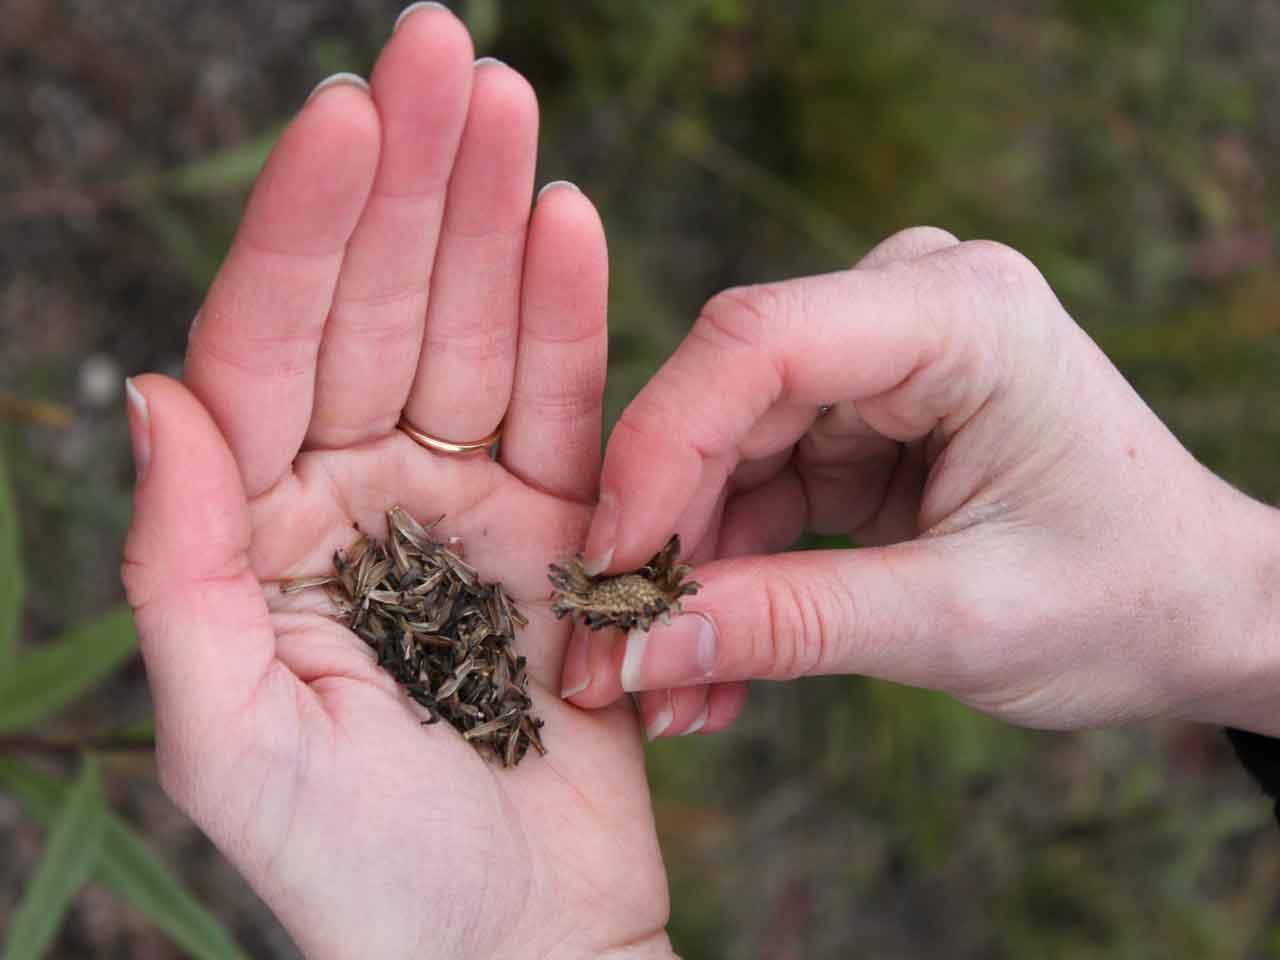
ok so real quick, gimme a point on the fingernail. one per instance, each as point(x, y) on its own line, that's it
point(684, 652)
point(699, 721)
point(414, 8)
point(139, 428)
point(602, 538)
point(555, 184)
point(338, 79)
point(577, 672)
point(661, 720)
point(633, 660)
point(489, 62)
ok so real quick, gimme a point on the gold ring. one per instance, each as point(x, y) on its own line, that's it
point(448, 446)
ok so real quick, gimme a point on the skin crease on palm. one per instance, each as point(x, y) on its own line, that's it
point(387, 261)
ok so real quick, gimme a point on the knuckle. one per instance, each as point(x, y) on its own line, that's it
point(927, 235)
point(983, 626)
point(562, 405)
point(741, 315)
point(285, 356)
point(1019, 317)
point(645, 420)
point(798, 642)
point(135, 576)
point(748, 322)
point(1002, 270)
point(385, 318)
point(906, 245)
point(471, 345)
point(998, 304)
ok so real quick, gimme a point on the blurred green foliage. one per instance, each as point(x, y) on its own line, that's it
point(12, 576)
point(42, 681)
point(84, 840)
point(126, 867)
point(74, 845)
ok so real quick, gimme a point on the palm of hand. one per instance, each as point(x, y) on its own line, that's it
point(367, 833)
point(417, 807)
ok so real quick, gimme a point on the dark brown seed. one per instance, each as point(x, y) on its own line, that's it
point(513, 742)
point(495, 725)
point(296, 586)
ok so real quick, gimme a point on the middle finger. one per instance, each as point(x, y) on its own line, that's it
point(465, 371)
point(421, 85)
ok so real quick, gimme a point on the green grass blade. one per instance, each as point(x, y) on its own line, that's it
point(73, 850)
point(230, 169)
point(484, 21)
point(11, 576)
point(129, 869)
point(185, 241)
point(47, 679)
point(139, 731)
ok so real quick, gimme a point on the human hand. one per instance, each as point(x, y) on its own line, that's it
point(387, 263)
point(1035, 542)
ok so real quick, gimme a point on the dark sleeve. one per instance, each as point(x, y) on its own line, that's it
point(1261, 757)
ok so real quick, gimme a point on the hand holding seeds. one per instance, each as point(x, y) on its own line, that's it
point(1030, 537)
point(295, 724)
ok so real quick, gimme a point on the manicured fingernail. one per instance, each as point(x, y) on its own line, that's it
point(489, 62)
point(338, 79)
point(577, 671)
point(661, 720)
point(139, 428)
point(555, 185)
point(684, 652)
point(414, 8)
point(602, 538)
point(699, 721)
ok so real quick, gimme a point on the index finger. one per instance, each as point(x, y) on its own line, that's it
point(916, 332)
point(251, 358)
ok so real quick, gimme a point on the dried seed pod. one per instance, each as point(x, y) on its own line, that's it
point(627, 600)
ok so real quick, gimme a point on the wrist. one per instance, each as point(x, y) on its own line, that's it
point(1234, 667)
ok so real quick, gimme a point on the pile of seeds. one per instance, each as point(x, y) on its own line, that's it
point(443, 634)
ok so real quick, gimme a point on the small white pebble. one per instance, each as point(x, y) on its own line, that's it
point(101, 380)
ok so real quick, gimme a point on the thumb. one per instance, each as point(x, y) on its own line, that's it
point(201, 617)
point(888, 612)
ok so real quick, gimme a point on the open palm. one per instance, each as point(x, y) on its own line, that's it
point(387, 266)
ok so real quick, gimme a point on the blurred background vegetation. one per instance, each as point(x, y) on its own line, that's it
point(1129, 147)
